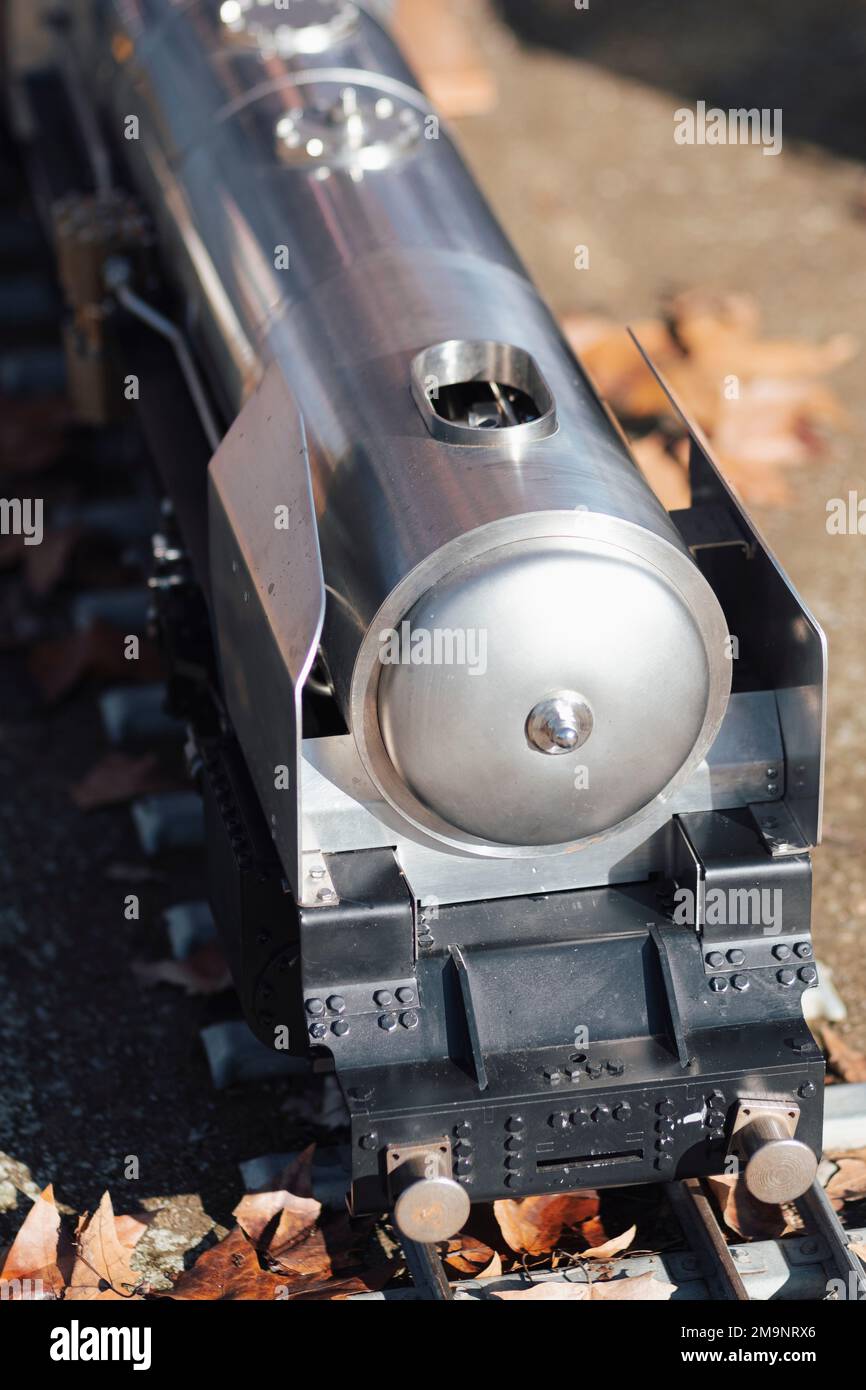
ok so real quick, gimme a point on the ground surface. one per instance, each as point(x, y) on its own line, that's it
point(94, 1068)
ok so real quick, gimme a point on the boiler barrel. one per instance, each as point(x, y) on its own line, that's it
point(521, 645)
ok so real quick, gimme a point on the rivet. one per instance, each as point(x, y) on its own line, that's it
point(388, 1022)
point(383, 997)
point(315, 1007)
point(715, 959)
point(736, 956)
point(785, 977)
point(318, 1030)
point(803, 949)
point(782, 952)
point(409, 1019)
point(740, 982)
point(718, 985)
point(337, 1003)
point(808, 974)
point(807, 1089)
point(341, 1027)
point(405, 994)
point(369, 1141)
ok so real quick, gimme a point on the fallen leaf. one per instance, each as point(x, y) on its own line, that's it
point(668, 478)
point(470, 1258)
point(130, 1229)
point(744, 1214)
point(204, 972)
point(102, 1271)
point(844, 1059)
point(642, 1288)
point(119, 777)
point(229, 1271)
point(848, 1183)
point(59, 665)
point(859, 1249)
point(611, 1247)
point(31, 433)
point(37, 1253)
point(760, 401)
point(534, 1225)
point(275, 1218)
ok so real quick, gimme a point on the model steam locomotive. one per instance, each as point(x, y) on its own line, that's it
point(504, 761)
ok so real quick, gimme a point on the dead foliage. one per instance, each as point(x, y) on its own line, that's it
point(204, 972)
point(762, 402)
point(843, 1060)
point(121, 777)
point(61, 664)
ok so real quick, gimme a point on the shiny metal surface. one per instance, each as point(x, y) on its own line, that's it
point(268, 596)
point(779, 1168)
point(343, 810)
point(541, 615)
point(559, 724)
point(343, 270)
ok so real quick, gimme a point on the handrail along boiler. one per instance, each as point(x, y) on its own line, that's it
point(541, 887)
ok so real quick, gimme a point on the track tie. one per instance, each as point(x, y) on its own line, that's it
point(235, 1056)
point(171, 820)
point(189, 927)
point(136, 714)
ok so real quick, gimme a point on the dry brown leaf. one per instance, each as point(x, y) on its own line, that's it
point(204, 972)
point(667, 477)
point(275, 1218)
point(38, 1252)
point(611, 1247)
point(617, 368)
point(130, 1229)
point(102, 1271)
point(842, 1058)
point(60, 665)
point(534, 1225)
point(31, 433)
point(119, 777)
point(469, 1257)
point(743, 1213)
point(641, 1289)
point(848, 1183)
point(859, 1249)
point(761, 402)
point(229, 1271)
